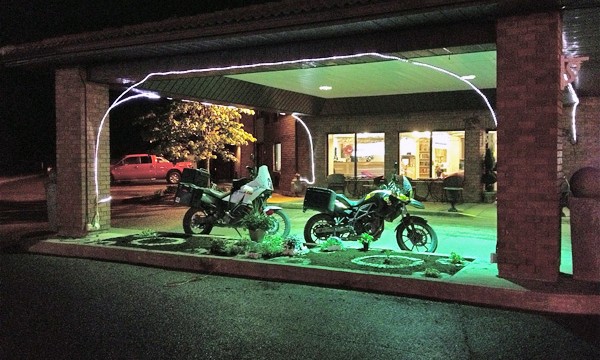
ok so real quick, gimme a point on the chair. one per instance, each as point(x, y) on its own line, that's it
point(453, 188)
point(336, 182)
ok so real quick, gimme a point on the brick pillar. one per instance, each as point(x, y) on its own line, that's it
point(474, 153)
point(529, 108)
point(80, 106)
point(392, 152)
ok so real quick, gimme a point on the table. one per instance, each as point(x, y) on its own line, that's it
point(433, 188)
point(358, 186)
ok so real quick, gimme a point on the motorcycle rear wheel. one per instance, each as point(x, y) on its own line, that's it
point(194, 222)
point(315, 222)
point(417, 236)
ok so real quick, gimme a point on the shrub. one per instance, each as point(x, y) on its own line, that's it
point(149, 233)
point(331, 244)
point(432, 273)
point(228, 247)
point(271, 246)
point(456, 259)
point(366, 238)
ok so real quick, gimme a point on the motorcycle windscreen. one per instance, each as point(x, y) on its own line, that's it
point(262, 180)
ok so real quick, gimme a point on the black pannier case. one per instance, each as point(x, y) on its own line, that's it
point(198, 177)
point(188, 195)
point(319, 199)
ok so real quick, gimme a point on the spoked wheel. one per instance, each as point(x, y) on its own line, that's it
point(280, 224)
point(195, 222)
point(314, 224)
point(174, 177)
point(416, 236)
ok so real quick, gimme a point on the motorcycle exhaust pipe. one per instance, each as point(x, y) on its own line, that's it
point(333, 230)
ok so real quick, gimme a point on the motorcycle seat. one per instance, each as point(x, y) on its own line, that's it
point(350, 202)
point(216, 193)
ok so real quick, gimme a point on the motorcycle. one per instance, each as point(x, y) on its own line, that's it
point(211, 207)
point(348, 219)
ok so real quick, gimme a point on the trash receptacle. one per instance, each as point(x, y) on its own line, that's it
point(584, 206)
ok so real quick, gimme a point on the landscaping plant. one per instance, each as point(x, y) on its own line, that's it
point(456, 259)
point(333, 243)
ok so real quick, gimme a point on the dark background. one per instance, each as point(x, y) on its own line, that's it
point(27, 113)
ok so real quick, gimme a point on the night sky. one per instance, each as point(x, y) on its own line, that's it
point(27, 120)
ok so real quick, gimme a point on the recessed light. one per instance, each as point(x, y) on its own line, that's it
point(325, 87)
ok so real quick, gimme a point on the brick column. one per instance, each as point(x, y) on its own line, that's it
point(529, 108)
point(80, 106)
point(474, 153)
point(392, 152)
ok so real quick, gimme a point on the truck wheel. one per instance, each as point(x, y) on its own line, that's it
point(173, 177)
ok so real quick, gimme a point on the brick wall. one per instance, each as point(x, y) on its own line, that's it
point(529, 107)
point(79, 108)
point(282, 129)
point(586, 151)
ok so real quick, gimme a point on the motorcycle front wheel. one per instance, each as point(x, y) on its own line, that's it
point(416, 236)
point(195, 222)
point(314, 223)
point(280, 224)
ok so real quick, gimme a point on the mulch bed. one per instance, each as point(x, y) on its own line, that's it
point(374, 260)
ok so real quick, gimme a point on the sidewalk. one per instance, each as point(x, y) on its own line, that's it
point(477, 284)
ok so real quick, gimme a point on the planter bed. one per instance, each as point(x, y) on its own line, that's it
point(374, 260)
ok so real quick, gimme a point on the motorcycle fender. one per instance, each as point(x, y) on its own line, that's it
point(411, 219)
point(271, 208)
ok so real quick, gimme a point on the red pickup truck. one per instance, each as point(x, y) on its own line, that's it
point(145, 167)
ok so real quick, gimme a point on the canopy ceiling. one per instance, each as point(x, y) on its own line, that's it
point(455, 36)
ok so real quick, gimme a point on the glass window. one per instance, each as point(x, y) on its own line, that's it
point(415, 154)
point(370, 150)
point(146, 160)
point(132, 160)
point(356, 154)
point(448, 153)
point(277, 157)
point(432, 154)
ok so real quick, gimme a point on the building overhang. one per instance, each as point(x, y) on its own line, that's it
point(282, 32)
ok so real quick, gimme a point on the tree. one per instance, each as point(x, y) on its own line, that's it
point(191, 130)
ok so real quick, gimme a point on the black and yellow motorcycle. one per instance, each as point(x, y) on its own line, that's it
point(348, 219)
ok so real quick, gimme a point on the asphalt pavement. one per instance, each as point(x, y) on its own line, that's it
point(470, 232)
point(68, 308)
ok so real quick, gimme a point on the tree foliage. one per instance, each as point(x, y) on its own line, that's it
point(191, 130)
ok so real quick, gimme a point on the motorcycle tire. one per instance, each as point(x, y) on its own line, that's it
point(281, 225)
point(416, 236)
point(314, 222)
point(194, 222)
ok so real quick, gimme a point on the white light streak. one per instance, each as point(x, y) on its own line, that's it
point(573, 113)
point(312, 151)
point(96, 221)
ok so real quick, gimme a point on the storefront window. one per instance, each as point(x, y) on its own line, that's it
point(432, 154)
point(356, 154)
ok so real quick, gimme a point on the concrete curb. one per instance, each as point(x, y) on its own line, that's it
point(456, 290)
point(6, 180)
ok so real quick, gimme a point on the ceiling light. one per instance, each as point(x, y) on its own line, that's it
point(325, 87)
